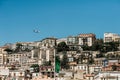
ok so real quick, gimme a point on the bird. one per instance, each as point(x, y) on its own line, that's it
point(36, 31)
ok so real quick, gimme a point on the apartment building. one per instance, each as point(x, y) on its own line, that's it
point(47, 50)
point(72, 40)
point(3, 55)
point(109, 37)
point(109, 75)
point(20, 58)
point(86, 39)
point(47, 70)
point(61, 40)
point(48, 42)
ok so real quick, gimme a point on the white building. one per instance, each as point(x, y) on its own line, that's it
point(61, 40)
point(109, 37)
point(86, 39)
point(109, 75)
point(47, 50)
point(3, 56)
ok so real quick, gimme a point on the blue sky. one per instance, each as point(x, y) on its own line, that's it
point(56, 18)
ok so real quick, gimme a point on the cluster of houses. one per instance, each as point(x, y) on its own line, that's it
point(16, 60)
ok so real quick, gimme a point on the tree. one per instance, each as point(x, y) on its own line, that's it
point(47, 63)
point(9, 51)
point(64, 62)
point(97, 45)
point(85, 47)
point(62, 47)
point(57, 64)
point(35, 67)
point(18, 47)
point(114, 67)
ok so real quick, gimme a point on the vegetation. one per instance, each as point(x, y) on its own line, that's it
point(99, 45)
point(35, 67)
point(9, 51)
point(57, 64)
point(47, 63)
point(114, 67)
point(64, 62)
point(62, 46)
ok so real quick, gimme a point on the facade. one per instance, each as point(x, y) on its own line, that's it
point(73, 43)
point(109, 37)
point(19, 58)
point(109, 75)
point(16, 75)
point(47, 50)
point(3, 55)
point(72, 40)
point(48, 42)
point(47, 70)
point(86, 39)
point(61, 40)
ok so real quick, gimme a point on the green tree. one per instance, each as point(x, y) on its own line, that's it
point(98, 45)
point(47, 63)
point(64, 62)
point(62, 46)
point(114, 67)
point(85, 47)
point(57, 64)
point(9, 51)
point(35, 67)
point(18, 47)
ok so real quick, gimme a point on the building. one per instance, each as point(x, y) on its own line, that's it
point(47, 70)
point(86, 39)
point(109, 37)
point(109, 75)
point(61, 40)
point(20, 58)
point(48, 42)
point(72, 40)
point(47, 50)
point(3, 55)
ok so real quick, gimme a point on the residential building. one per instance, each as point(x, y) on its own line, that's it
point(48, 42)
point(72, 42)
point(107, 75)
point(109, 37)
point(61, 40)
point(86, 39)
point(47, 50)
point(3, 55)
point(16, 75)
point(47, 70)
point(20, 58)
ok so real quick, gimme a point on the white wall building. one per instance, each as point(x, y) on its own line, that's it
point(110, 75)
point(61, 40)
point(109, 37)
point(86, 39)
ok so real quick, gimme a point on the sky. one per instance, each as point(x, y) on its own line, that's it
point(56, 18)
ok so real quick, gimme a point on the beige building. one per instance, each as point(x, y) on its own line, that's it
point(20, 58)
point(47, 50)
point(109, 37)
point(61, 40)
point(86, 39)
point(3, 55)
point(109, 75)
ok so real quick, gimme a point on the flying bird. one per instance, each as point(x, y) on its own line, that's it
point(36, 31)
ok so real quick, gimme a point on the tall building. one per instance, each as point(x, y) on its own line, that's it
point(109, 37)
point(86, 39)
point(47, 50)
point(72, 40)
